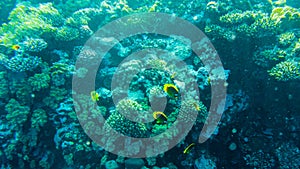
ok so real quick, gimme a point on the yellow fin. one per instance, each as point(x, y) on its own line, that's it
point(197, 107)
point(171, 90)
point(95, 96)
point(160, 117)
point(188, 148)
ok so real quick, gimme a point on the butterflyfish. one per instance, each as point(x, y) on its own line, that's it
point(95, 96)
point(15, 47)
point(160, 117)
point(171, 90)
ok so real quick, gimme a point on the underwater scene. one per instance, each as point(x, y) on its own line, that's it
point(149, 84)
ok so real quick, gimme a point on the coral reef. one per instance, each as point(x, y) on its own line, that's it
point(39, 81)
point(260, 159)
point(16, 113)
point(119, 123)
point(35, 22)
point(20, 63)
point(38, 119)
point(3, 85)
point(285, 71)
point(204, 162)
point(5, 7)
point(288, 155)
point(41, 40)
point(286, 17)
point(34, 45)
point(66, 34)
point(55, 96)
point(132, 110)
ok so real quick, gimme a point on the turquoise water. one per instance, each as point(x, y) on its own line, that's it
point(149, 84)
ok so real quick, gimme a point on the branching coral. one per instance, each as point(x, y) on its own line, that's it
point(66, 33)
point(56, 95)
point(238, 17)
point(249, 23)
point(38, 119)
point(73, 143)
point(17, 114)
point(191, 105)
point(36, 29)
point(21, 63)
point(287, 17)
point(125, 126)
point(286, 38)
point(60, 71)
point(39, 81)
point(59, 68)
point(260, 159)
point(35, 22)
point(131, 109)
point(34, 44)
point(83, 17)
point(22, 90)
point(262, 57)
point(69, 6)
point(3, 85)
point(296, 47)
point(284, 71)
point(288, 155)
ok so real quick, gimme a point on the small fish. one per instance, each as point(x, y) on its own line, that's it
point(95, 96)
point(171, 90)
point(173, 75)
point(160, 117)
point(15, 47)
point(208, 81)
point(188, 148)
point(197, 107)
